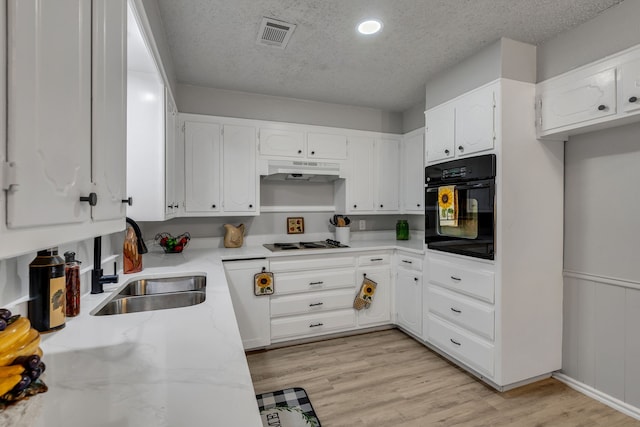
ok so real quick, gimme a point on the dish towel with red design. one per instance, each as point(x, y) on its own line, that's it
point(448, 206)
point(364, 298)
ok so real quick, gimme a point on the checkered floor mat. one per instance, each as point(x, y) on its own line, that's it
point(289, 397)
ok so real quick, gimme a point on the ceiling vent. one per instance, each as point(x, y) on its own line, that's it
point(275, 33)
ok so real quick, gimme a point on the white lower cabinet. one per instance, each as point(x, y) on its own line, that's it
point(408, 295)
point(459, 343)
point(377, 268)
point(252, 312)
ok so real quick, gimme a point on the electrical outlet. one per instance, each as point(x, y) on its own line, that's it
point(362, 224)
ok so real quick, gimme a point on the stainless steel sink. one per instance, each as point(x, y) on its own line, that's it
point(134, 304)
point(164, 285)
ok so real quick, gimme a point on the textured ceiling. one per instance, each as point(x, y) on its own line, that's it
point(213, 43)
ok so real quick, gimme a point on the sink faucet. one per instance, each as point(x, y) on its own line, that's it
point(142, 248)
point(97, 278)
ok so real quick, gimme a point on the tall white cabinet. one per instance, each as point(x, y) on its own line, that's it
point(63, 182)
point(502, 319)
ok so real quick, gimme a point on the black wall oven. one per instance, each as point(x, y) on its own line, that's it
point(460, 206)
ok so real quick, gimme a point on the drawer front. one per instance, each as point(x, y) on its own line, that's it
point(312, 324)
point(409, 262)
point(302, 263)
point(311, 302)
point(374, 259)
point(462, 311)
point(473, 279)
point(310, 281)
point(462, 345)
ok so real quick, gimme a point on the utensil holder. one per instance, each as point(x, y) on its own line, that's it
point(343, 234)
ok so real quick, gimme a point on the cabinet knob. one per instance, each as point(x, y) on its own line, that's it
point(633, 99)
point(299, 151)
point(250, 206)
point(128, 200)
point(602, 107)
point(418, 205)
point(92, 199)
point(313, 153)
point(446, 152)
point(382, 206)
point(355, 206)
point(460, 148)
point(213, 206)
point(415, 279)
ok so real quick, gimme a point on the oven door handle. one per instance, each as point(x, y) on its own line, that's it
point(463, 187)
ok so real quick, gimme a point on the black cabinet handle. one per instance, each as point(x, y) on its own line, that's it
point(457, 279)
point(250, 206)
point(213, 206)
point(633, 99)
point(602, 107)
point(455, 310)
point(128, 201)
point(315, 283)
point(382, 206)
point(460, 148)
point(355, 206)
point(446, 152)
point(418, 205)
point(415, 279)
point(375, 259)
point(299, 151)
point(455, 342)
point(315, 304)
point(313, 153)
point(92, 199)
point(315, 325)
point(407, 262)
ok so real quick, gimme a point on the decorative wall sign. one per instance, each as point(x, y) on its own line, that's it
point(295, 225)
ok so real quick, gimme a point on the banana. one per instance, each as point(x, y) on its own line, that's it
point(25, 347)
point(8, 383)
point(13, 333)
point(11, 370)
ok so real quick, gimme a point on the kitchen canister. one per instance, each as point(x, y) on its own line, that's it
point(343, 234)
point(402, 230)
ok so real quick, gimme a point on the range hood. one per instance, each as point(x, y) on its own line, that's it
point(299, 170)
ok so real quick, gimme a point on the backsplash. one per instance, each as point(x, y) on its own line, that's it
point(14, 272)
point(273, 223)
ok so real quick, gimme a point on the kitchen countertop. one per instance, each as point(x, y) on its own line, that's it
point(183, 366)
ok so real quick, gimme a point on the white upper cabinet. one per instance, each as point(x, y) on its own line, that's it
point(412, 172)
point(463, 126)
point(440, 132)
point(326, 146)
point(475, 121)
point(359, 183)
point(172, 151)
point(49, 112)
point(64, 166)
point(282, 143)
point(240, 179)
point(387, 173)
point(630, 76)
point(576, 101)
point(202, 167)
point(599, 95)
point(109, 130)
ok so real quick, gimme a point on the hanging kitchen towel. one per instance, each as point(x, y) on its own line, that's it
point(448, 206)
point(364, 298)
point(263, 283)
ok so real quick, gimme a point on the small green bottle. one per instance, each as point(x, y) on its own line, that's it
point(402, 230)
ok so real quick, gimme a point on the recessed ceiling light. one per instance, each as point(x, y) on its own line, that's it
point(370, 26)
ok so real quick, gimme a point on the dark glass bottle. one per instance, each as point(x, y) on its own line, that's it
point(72, 279)
point(402, 230)
point(47, 290)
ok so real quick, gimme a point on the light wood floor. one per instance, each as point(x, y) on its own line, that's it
point(388, 379)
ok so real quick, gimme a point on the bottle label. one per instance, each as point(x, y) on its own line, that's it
point(56, 302)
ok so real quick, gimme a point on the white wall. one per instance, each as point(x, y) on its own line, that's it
point(228, 103)
point(413, 118)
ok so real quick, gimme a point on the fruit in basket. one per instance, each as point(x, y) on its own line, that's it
point(172, 244)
